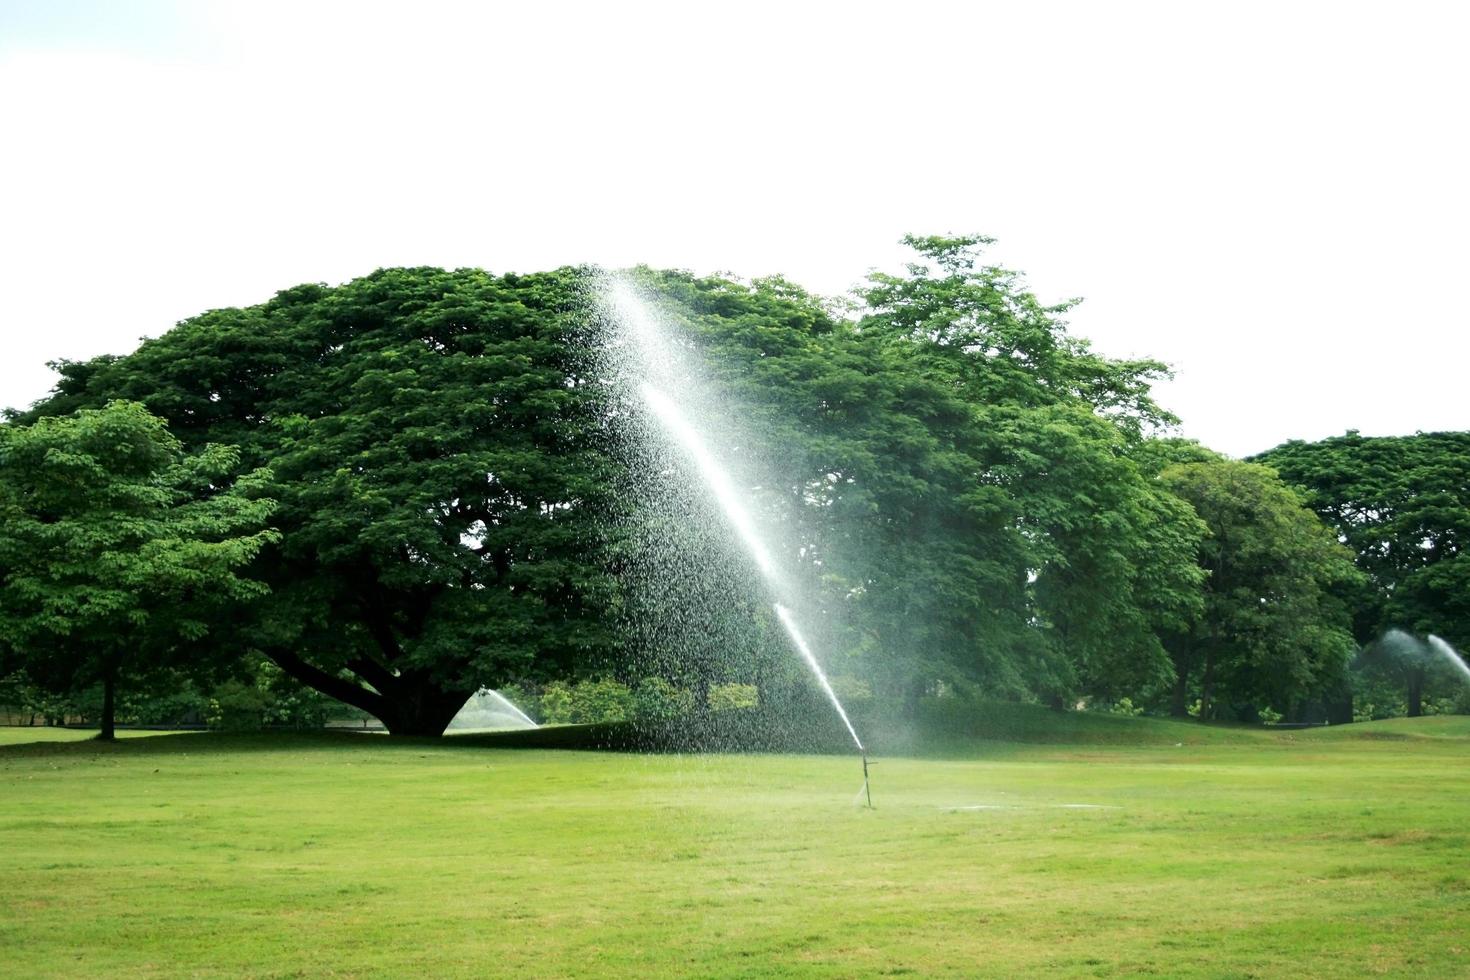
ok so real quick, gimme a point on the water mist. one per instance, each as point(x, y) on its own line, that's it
point(650, 362)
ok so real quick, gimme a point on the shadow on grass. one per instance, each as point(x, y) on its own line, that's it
point(183, 743)
point(980, 730)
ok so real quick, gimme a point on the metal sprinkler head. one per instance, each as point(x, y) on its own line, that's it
point(867, 790)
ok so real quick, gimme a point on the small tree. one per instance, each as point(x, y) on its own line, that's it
point(1272, 629)
point(117, 548)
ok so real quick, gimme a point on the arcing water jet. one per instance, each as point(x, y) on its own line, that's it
point(653, 358)
point(1449, 653)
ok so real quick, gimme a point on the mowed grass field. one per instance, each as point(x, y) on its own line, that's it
point(1341, 852)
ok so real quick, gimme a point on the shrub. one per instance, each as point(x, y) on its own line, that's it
point(1439, 706)
point(267, 696)
point(604, 700)
point(556, 704)
point(237, 706)
point(1125, 707)
point(733, 697)
point(585, 703)
point(655, 699)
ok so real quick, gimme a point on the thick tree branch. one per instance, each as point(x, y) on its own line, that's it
point(329, 684)
point(374, 673)
point(381, 631)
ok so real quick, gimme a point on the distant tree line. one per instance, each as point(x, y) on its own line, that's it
point(406, 488)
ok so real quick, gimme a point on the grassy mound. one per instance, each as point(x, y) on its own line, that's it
point(1390, 729)
point(948, 727)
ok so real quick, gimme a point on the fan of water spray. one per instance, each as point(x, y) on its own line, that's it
point(1450, 655)
point(651, 366)
point(489, 710)
point(1406, 645)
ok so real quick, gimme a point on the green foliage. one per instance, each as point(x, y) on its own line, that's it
point(118, 549)
point(265, 696)
point(555, 704)
point(1272, 629)
point(954, 477)
point(30, 701)
point(1126, 708)
point(653, 700)
point(733, 697)
point(436, 450)
point(1402, 504)
point(966, 495)
point(237, 706)
point(587, 702)
point(657, 700)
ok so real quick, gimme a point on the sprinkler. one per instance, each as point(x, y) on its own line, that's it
point(867, 791)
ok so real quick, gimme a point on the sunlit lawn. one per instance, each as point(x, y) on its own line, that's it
point(1326, 854)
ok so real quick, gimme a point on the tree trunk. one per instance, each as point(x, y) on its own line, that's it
point(913, 696)
point(1416, 692)
point(108, 731)
point(1180, 652)
point(424, 711)
point(407, 703)
point(1177, 707)
point(1207, 687)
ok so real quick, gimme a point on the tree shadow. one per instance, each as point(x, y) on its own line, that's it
point(182, 743)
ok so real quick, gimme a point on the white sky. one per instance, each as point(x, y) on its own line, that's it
point(1271, 197)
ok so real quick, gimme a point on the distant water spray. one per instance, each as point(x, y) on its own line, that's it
point(505, 703)
point(654, 360)
point(1450, 654)
point(1409, 647)
point(488, 710)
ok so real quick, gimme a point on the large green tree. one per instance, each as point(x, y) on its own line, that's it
point(1402, 504)
point(955, 474)
point(955, 482)
point(1273, 631)
point(118, 550)
point(439, 464)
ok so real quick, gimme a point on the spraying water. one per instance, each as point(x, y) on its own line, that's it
point(799, 642)
point(1409, 647)
point(655, 361)
point(1448, 652)
point(673, 421)
point(714, 476)
point(489, 710)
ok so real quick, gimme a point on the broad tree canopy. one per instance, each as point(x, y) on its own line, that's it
point(968, 494)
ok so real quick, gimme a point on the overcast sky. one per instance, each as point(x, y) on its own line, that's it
point(1271, 197)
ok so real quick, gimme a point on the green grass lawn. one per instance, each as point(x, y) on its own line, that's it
point(1337, 852)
